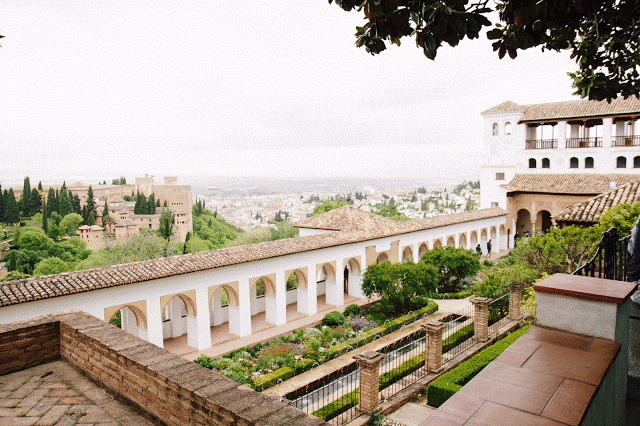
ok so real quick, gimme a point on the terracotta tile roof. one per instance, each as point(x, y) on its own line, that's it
point(568, 183)
point(30, 289)
point(569, 109)
point(504, 107)
point(346, 218)
point(590, 210)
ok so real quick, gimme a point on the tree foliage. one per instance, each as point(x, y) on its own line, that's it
point(453, 265)
point(50, 266)
point(622, 216)
point(390, 211)
point(602, 36)
point(328, 205)
point(165, 228)
point(69, 224)
point(140, 247)
point(402, 287)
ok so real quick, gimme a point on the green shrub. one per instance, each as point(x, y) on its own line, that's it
point(352, 310)
point(271, 379)
point(333, 319)
point(456, 338)
point(338, 406)
point(404, 369)
point(452, 381)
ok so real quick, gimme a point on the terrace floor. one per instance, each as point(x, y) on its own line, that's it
point(57, 394)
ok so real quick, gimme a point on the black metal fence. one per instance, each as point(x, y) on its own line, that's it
point(498, 313)
point(610, 260)
point(334, 398)
point(404, 364)
point(457, 335)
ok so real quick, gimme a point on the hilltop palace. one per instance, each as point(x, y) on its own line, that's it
point(540, 160)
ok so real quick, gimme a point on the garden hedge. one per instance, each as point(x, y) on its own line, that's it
point(338, 406)
point(403, 370)
point(456, 338)
point(452, 381)
point(283, 373)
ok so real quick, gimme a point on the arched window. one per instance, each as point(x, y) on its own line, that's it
point(546, 164)
point(495, 129)
point(532, 163)
point(382, 258)
point(507, 128)
point(588, 163)
point(636, 162)
point(573, 163)
point(621, 162)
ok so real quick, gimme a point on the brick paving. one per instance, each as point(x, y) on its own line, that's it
point(57, 394)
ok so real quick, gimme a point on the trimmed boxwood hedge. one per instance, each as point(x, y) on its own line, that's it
point(456, 338)
point(271, 379)
point(452, 381)
point(338, 406)
point(403, 370)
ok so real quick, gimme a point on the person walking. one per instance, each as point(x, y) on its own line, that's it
point(479, 249)
point(489, 248)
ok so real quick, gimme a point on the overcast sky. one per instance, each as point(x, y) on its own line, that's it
point(95, 89)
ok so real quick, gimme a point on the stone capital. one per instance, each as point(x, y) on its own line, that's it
point(369, 358)
point(481, 301)
point(515, 286)
point(433, 326)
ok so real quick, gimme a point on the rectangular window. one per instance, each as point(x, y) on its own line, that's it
point(499, 176)
point(494, 204)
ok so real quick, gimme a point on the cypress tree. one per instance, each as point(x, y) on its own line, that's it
point(158, 202)
point(105, 211)
point(35, 202)
point(51, 201)
point(40, 186)
point(91, 205)
point(151, 204)
point(84, 214)
point(56, 207)
point(12, 211)
point(2, 197)
point(75, 204)
point(141, 204)
point(165, 204)
point(92, 218)
point(64, 205)
point(45, 221)
point(26, 197)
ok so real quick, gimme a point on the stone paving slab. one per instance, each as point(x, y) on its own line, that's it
point(411, 414)
point(57, 394)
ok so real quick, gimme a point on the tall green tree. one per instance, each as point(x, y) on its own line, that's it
point(51, 202)
point(151, 204)
point(45, 219)
point(75, 204)
point(40, 186)
point(91, 220)
point(26, 197)
point(12, 212)
point(141, 206)
point(35, 201)
point(91, 204)
point(166, 224)
point(64, 204)
point(105, 212)
point(2, 197)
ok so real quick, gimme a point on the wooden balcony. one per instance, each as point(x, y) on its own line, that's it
point(584, 142)
point(542, 144)
point(626, 140)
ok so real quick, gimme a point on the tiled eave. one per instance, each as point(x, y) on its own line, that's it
point(30, 289)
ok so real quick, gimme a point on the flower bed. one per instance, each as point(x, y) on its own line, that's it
point(264, 366)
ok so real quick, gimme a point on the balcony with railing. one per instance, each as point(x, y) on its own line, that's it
point(541, 144)
point(584, 142)
point(626, 140)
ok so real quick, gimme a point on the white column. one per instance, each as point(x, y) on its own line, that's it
point(562, 138)
point(244, 308)
point(308, 297)
point(416, 252)
point(175, 313)
point(203, 320)
point(281, 298)
point(234, 320)
point(607, 128)
point(154, 322)
point(335, 290)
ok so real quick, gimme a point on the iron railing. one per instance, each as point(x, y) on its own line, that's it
point(541, 144)
point(403, 365)
point(457, 335)
point(626, 140)
point(610, 259)
point(498, 313)
point(335, 400)
point(584, 142)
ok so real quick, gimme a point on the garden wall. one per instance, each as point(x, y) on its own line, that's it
point(168, 387)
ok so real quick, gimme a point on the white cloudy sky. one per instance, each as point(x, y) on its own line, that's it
point(96, 89)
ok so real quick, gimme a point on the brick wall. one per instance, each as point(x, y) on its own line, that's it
point(174, 390)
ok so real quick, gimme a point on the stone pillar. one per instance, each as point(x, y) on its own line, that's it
point(433, 345)
point(244, 308)
point(481, 318)
point(203, 319)
point(154, 322)
point(369, 363)
point(515, 299)
point(279, 315)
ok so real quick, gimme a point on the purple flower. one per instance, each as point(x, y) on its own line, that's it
point(358, 323)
